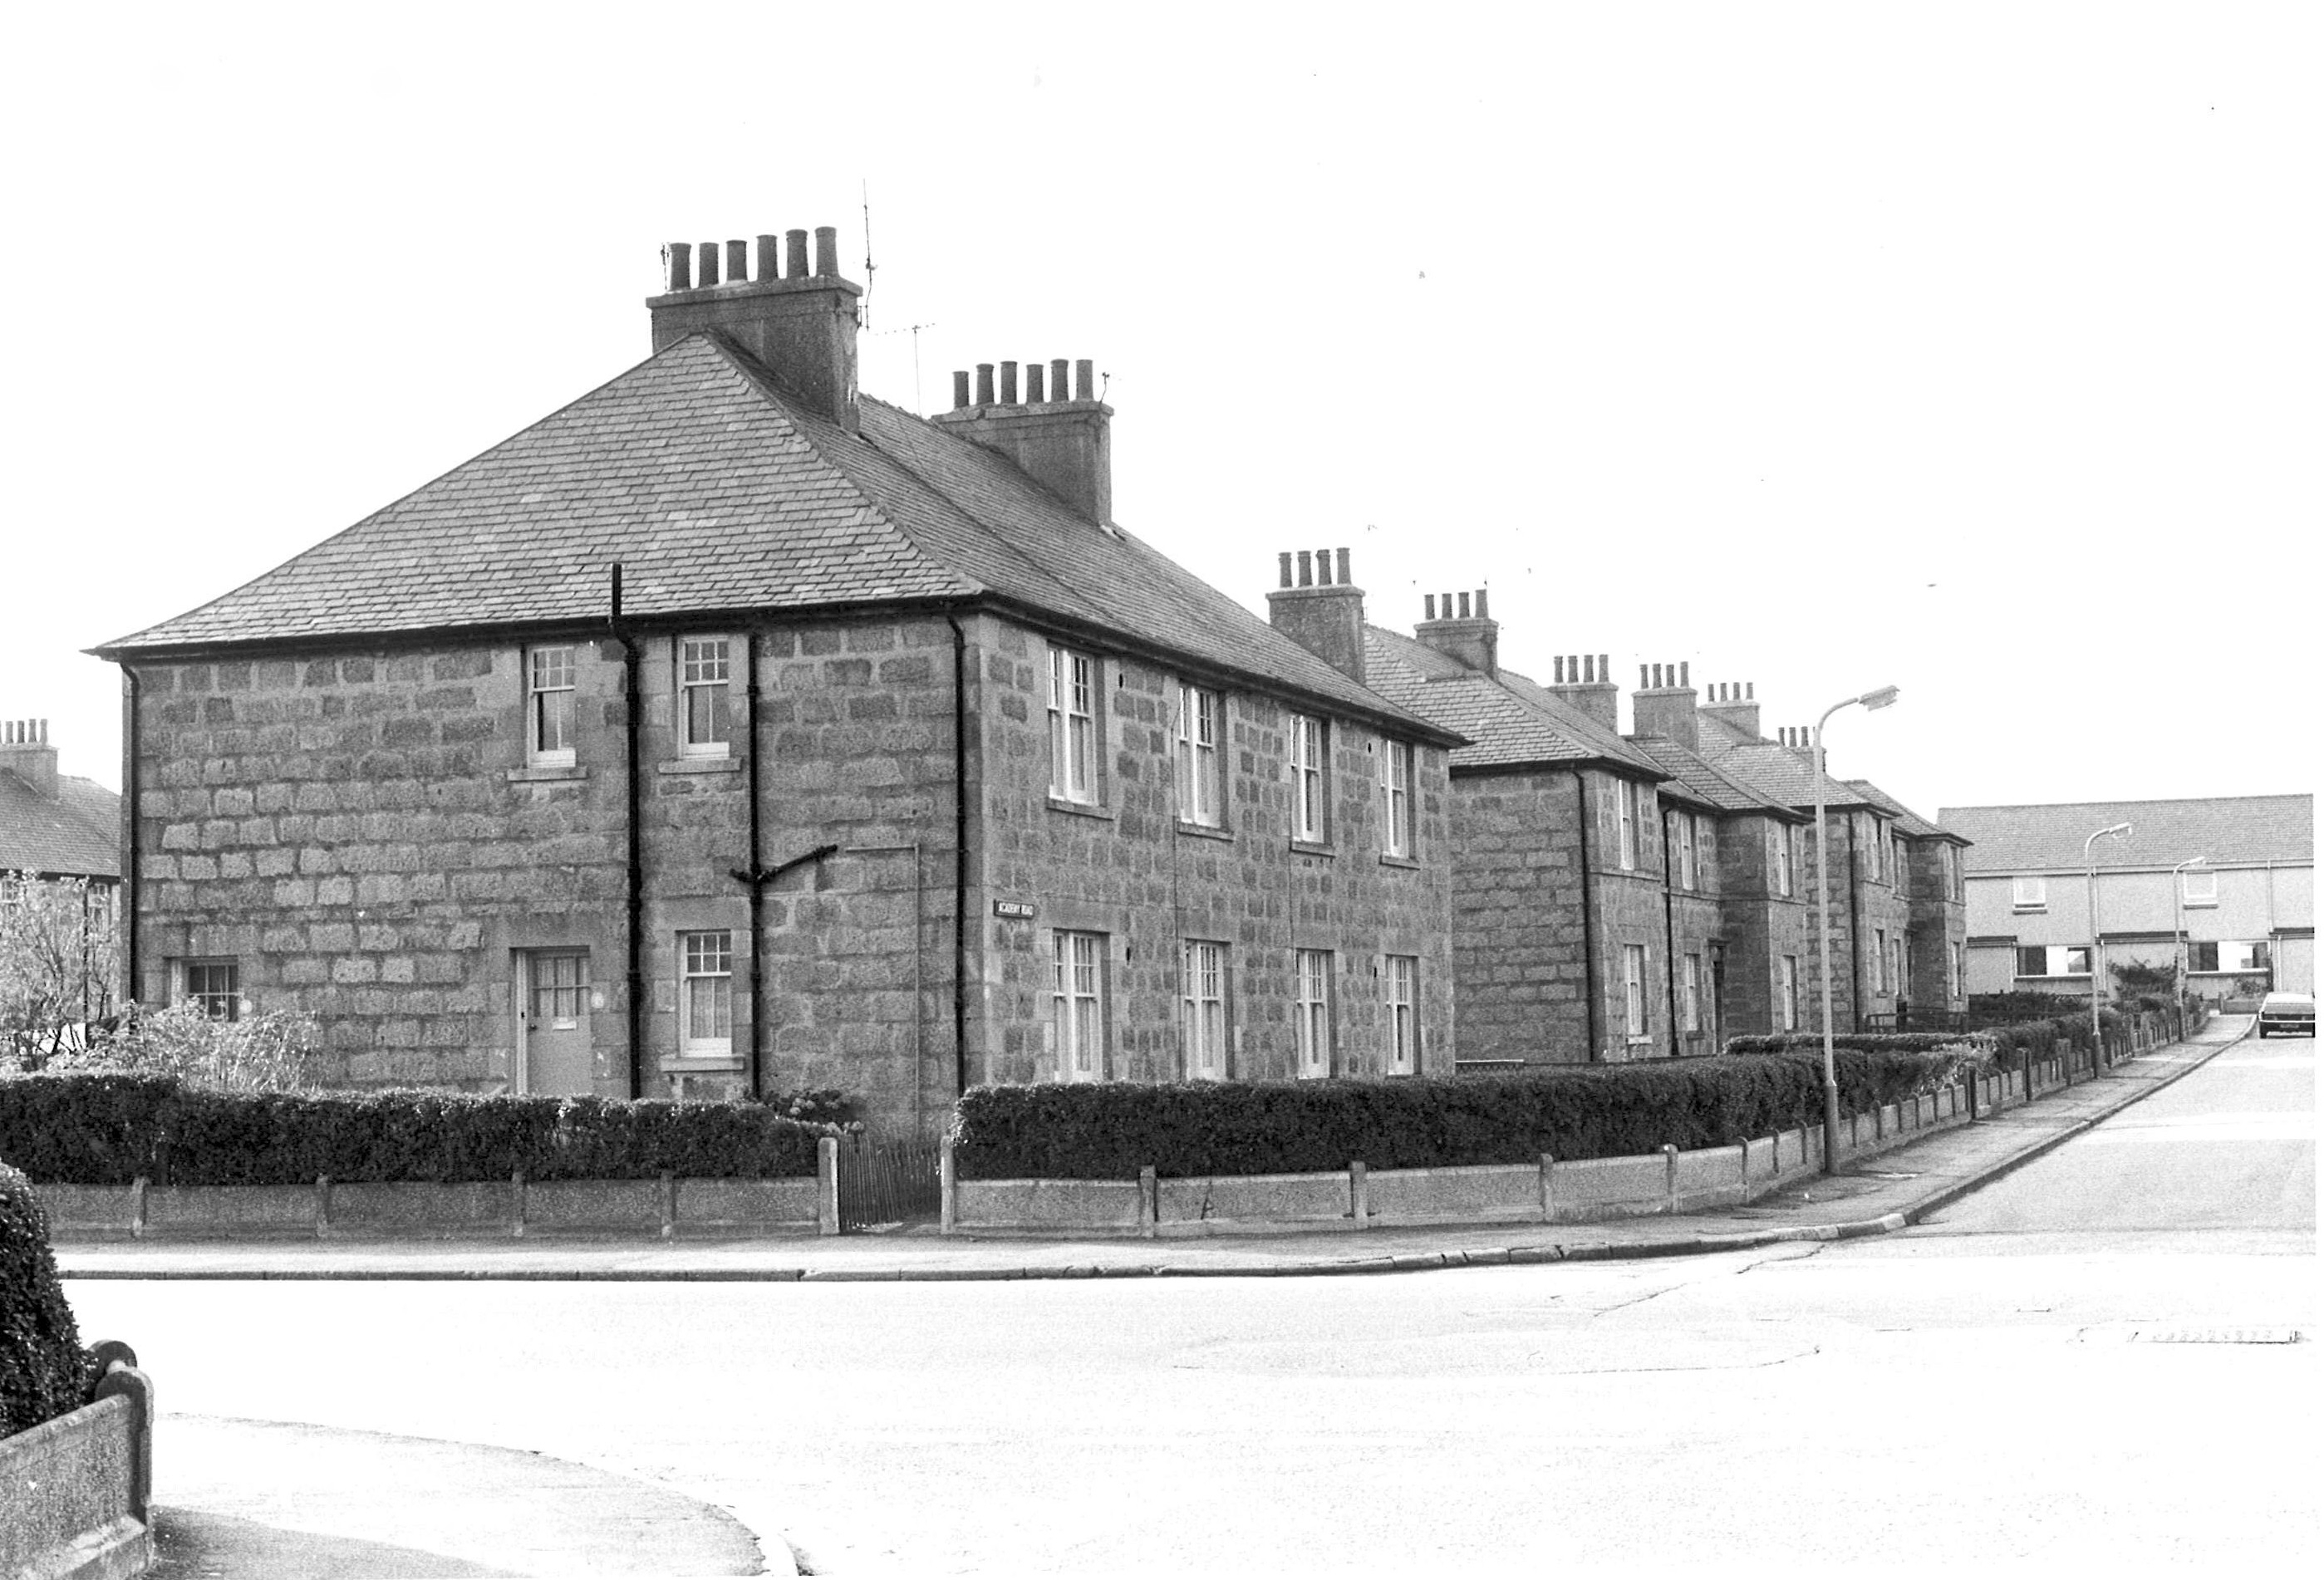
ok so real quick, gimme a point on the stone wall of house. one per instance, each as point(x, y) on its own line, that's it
point(1516, 917)
point(1128, 867)
point(1939, 930)
point(1762, 926)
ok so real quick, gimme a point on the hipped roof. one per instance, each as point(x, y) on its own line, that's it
point(75, 833)
point(1508, 721)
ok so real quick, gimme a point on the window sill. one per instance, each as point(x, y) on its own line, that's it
point(2062, 976)
point(2198, 904)
point(2028, 910)
point(1080, 808)
point(1406, 862)
point(1195, 830)
point(547, 774)
point(1314, 848)
point(703, 1064)
point(701, 765)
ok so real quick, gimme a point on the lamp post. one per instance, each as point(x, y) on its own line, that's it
point(2098, 967)
point(2178, 930)
point(1871, 699)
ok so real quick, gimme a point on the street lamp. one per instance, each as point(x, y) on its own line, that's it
point(2097, 969)
point(2179, 929)
point(1871, 699)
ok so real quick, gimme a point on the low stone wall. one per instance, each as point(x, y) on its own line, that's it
point(667, 1206)
point(76, 1492)
point(1548, 1191)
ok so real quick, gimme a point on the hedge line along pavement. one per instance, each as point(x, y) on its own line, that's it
point(1193, 1129)
point(44, 1373)
point(110, 1129)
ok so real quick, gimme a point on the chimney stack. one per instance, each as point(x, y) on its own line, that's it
point(1061, 440)
point(1471, 639)
point(800, 326)
point(1322, 613)
point(25, 752)
point(1585, 681)
point(1735, 704)
point(1663, 705)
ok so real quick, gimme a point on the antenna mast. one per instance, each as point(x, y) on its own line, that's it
point(871, 270)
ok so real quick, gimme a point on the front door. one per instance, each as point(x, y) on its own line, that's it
point(557, 1057)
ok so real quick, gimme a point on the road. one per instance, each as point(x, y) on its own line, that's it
point(2082, 1365)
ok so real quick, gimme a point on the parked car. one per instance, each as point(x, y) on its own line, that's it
point(2288, 1012)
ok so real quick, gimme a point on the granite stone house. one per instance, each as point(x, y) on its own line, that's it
point(1614, 898)
point(730, 731)
point(2223, 887)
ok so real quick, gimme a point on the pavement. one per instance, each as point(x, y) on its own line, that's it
point(266, 1498)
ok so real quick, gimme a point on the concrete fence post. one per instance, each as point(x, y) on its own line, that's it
point(1548, 1194)
point(1150, 1201)
point(322, 1206)
point(947, 1182)
point(137, 1208)
point(122, 1377)
point(826, 1185)
point(1360, 1194)
point(1743, 1164)
point(1670, 1178)
point(516, 1205)
point(670, 1207)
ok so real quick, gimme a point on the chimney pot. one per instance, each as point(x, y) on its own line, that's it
point(1605, 668)
point(1061, 389)
point(1033, 396)
point(707, 264)
point(1557, 676)
point(826, 250)
point(1084, 380)
point(985, 384)
point(1682, 674)
point(1480, 605)
point(1428, 606)
point(1464, 606)
point(1642, 677)
point(1009, 383)
point(795, 254)
point(738, 261)
point(771, 258)
point(1283, 565)
point(1344, 578)
point(1323, 567)
point(1750, 691)
point(959, 388)
point(1306, 568)
point(677, 259)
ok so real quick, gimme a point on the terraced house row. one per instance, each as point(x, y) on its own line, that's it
point(729, 730)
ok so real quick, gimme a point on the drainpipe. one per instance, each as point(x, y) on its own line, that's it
point(129, 798)
point(959, 854)
point(1670, 940)
point(636, 867)
point(1589, 931)
point(1855, 936)
point(754, 1075)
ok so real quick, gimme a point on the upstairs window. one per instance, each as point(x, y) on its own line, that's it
point(1396, 797)
point(703, 696)
point(1902, 867)
point(1400, 993)
point(1706, 857)
point(549, 706)
point(1201, 727)
point(1686, 830)
point(1205, 1005)
point(1308, 780)
point(1072, 726)
point(1625, 825)
point(1781, 841)
point(2198, 888)
point(2029, 893)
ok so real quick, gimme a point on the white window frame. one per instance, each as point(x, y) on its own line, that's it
point(1203, 965)
point(1952, 968)
point(1686, 863)
point(2207, 898)
point(1896, 958)
point(2057, 961)
point(1900, 866)
point(1077, 1004)
point(1787, 992)
point(705, 673)
point(1201, 755)
point(1634, 992)
point(552, 711)
point(1880, 960)
point(1311, 818)
point(1787, 875)
point(191, 983)
point(1076, 693)
point(1400, 996)
point(1689, 994)
point(1395, 787)
point(2029, 893)
point(705, 993)
point(1312, 1012)
point(2248, 955)
point(1626, 826)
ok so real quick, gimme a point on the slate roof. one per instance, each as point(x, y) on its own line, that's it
point(2225, 829)
point(1784, 773)
point(76, 834)
point(1508, 720)
point(719, 492)
point(1707, 784)
point(1908, 821)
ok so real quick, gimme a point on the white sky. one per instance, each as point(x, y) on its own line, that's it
point(1970, 349)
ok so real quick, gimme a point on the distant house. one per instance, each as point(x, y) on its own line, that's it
point(2245, 913)
point(53, 826)
point(729, 730)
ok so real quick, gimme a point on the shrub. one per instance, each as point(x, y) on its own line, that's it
point(816, 1105)
point(1863, 1041)
point(1109, 1132)
point(44, 1373)
point(59, 956)
point(269, 1052)
point(108, 1129)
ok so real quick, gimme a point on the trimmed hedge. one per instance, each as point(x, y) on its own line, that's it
point(109, 1129)
point(44, 1373)
point(1109, 1132)
point(1863, 1041)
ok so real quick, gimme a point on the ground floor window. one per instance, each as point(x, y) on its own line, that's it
point(1689, 994)
point(1401, 989)
point(1205, 1006)
point(1077, 1005)
point(2053, 960)
point(1634, 990)
point(213, 987)
point(1313, 1011)
point(705, 994)
point(1787, 992)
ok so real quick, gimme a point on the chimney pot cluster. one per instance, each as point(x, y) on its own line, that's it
point(1584, 669)
point(1728, 690)
point(1438, 606)
point(1663, 677)
point(691, 266)
point(1038, 390)
point(26, 732)
point(1315, 567)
